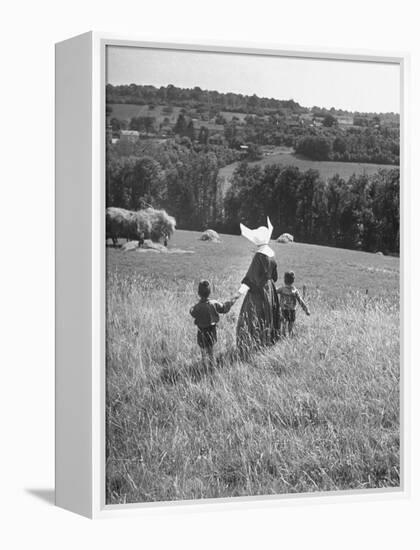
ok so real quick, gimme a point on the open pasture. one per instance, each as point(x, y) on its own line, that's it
point(229, 115)
point(319, 268)
point(318, 412)
point(127, 111)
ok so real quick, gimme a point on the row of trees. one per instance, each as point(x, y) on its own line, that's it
point(361, 213)
point(208, 100)
point(177, 175)
point(353, 145)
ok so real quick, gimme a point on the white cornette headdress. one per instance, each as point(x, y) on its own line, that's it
point(260, 237)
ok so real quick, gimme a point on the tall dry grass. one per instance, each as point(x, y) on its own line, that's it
point(316, 412)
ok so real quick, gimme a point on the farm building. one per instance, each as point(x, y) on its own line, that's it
point(129, 136)
point(318, 121)
point(345, 120)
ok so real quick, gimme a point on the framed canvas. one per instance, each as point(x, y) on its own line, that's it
point(231, 283)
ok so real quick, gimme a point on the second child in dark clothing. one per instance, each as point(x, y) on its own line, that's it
point(206, 316)
point(289, 298)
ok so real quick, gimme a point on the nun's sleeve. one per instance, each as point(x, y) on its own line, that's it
point(275, 273)
point(250, 278)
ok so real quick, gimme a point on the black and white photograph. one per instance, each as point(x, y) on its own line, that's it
point(210, 342)
point(252, 275)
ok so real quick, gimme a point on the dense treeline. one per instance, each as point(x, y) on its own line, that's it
point(208, 100)
point(177, 175)
point(182, 177)
point(361, 213)
point(376, 145)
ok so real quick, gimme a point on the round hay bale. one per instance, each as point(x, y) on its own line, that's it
point(210, 235)
point(286, 238)
point(379, 253)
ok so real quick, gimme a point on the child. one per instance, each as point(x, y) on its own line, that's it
point(289, 296)
point(206, 315)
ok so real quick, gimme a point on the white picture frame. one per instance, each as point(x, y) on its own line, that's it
point(80, 274)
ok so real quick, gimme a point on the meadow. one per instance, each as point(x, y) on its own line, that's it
point(127, 111)
point(318, 412)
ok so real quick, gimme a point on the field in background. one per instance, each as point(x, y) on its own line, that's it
point(327, 169)
point(318, 412)
point(127, 111)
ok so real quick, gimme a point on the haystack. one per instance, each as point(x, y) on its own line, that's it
point(144, 224)
point(151, 245)
point(148, 244)
point(286, 238)
point(130, 245)
point(162, 224)
point(210, 235)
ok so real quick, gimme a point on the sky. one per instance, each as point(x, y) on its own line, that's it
point(349, 85)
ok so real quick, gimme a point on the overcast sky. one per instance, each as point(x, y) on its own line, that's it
point(355, 86)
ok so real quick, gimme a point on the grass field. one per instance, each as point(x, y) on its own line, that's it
point(316, 412)
point(326, 169)
point(126, 111)
point(229, 115)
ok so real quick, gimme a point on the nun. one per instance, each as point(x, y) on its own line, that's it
point(259, 318)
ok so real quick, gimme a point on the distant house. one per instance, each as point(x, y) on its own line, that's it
point(244, 149)
point(166, 130)
point(344, 120)
point(318, 121)
point(129, 136)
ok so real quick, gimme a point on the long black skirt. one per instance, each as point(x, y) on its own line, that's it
point(259, 319)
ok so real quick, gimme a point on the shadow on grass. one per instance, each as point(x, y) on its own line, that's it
point(198, 370)
point(47, 495)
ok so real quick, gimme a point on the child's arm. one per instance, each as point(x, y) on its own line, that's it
point(280, 293)
point(236, 297)
point(302, 303)
point(223, 307)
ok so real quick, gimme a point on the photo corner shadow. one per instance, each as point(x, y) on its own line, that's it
point(47, 495)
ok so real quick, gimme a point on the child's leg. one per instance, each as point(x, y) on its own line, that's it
point(290, 327)
point(207, 357)
point(283, 322)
